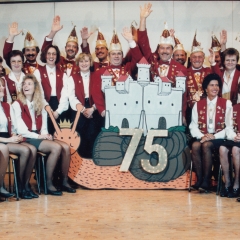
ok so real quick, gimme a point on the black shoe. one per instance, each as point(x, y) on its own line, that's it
point(33, 194)
point(25, 195)
point(238, 199)
point(225, 191)
point(204, 188)
point(68, 189)
point(55, 193)
point(6, 195)
point(234, 193)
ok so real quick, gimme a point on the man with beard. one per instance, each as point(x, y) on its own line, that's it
point(179, 54)
point(161, 61)
point(195, 75)
point(66, 64)
point(2, 69)
point(101, 49)
point(116, 67)
point(30, 50)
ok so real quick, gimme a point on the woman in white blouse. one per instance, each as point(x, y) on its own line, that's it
point(210, 119)
point(10, 142)
point(32, 124)
point(80, 86)
point(53, 81)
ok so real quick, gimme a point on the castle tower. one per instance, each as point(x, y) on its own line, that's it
point(181, 81)
point(164, 86)
point(122, 84)
point(106, 80)
point(143, 72)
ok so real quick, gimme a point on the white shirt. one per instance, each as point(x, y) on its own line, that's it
point(4, 122)
point(227, 83)
point(86, 81)
point(22, 128)
point(195, 131)
point(52, 79)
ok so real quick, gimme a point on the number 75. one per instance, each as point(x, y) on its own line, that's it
point(148, 147)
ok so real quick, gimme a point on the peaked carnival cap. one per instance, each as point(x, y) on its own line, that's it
point(196, 46)
point(216, 46)
point(29, 41)
point(166, 38)
point(178, 45)
point(115, 44)
point(73, 36)
point(101, 40)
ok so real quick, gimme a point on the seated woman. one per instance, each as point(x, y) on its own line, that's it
point(26, 152)
point(210, 118)
point(53, 81)
point(32, 124)
point(233, 145)
point(80, 86)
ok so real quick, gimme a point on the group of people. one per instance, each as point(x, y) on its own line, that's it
point(76, 81)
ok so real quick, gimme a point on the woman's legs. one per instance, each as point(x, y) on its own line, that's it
point(223, 151)
point(54, 150)
point(207, 148)
point(65, 157)
point(4, 158)
point(236, 164)
point(197, 162)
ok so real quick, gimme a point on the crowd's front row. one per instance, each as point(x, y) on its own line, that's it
point(215, 125)
point(31, 118)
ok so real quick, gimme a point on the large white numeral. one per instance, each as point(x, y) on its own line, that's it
point(136, 137)
point(162, 153)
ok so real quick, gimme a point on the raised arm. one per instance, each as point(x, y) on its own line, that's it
point(144, 13)
point(223, 40)
point(85, 35)
point(56, 26)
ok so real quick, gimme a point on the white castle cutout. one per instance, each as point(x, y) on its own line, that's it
point(142, 103)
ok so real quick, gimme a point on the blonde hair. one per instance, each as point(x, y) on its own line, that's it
point(81, 56)
point(37, 95)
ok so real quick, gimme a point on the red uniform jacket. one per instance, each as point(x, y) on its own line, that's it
point(26, 116)
point(6, 109)
point(154, 60)
point(219, 117)
point(11, 87)
point(194, 84)
point(234, 87)
point(46, 83)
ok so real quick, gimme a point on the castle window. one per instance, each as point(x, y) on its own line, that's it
point(172, 104)
point(136, 102)
point(125, 104)
point(148, 101)
point(114, 104)
point(160, 103)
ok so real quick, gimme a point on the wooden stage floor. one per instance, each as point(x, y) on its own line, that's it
point(121, 214)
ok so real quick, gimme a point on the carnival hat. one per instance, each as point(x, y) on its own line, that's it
point(29, 41)
point(216, 46)
point(166, 38)
point(101, 40)
point(196, 46)
point(73, 36)
point(115, 44)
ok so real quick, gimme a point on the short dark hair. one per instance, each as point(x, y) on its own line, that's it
point(14, 53)
point(1, 59)
point(37, 49)
point(208, 79)
point(229, 52)
point(44, 53)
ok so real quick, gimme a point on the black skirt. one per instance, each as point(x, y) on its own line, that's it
point(4, 135)
point(230, 143)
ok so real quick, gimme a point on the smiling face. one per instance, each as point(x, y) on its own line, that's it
point(197, 59)
point(30, 54)
point(28, 87)
point(180, 56)
point(165, 52)
point(212, 89)
point(116, 57)
point(16, 64)
point(51, 56)
point(101, 53)
point(230, 62)
point(71, 49)
point(218, 58)
point(84, 64)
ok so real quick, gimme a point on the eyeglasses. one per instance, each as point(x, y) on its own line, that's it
point(16, 62)
point(51, 54)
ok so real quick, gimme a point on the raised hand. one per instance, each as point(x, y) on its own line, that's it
point(56, 26)
point(211, 57)
point(13, 29)
point(223, 39)
point(145, 10)
point(127, 34)
point(85, 34)
point(172, 32)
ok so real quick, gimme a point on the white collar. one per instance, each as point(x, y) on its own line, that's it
point(85, 75)
point(197, 69)
point(49, 69)
point(214, 101)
